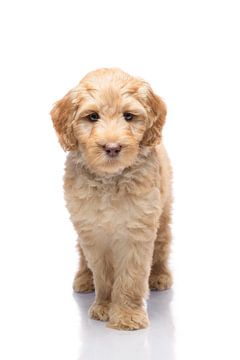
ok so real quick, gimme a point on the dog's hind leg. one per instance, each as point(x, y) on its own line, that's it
point(83, 281)
point(160, 276)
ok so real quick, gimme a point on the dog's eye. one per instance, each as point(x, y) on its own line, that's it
point(128, 116)
point(93, 117)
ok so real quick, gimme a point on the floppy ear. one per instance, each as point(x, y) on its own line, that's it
point(63, 114)
point(157, 112)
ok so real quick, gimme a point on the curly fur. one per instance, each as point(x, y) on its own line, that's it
point(120, 207)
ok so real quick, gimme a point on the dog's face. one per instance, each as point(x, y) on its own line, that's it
point(107, 117)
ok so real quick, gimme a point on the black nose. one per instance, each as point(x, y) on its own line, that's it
point(112, 149)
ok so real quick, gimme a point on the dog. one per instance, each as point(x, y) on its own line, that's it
point(118, 191)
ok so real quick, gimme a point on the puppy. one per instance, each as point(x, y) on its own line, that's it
point(118, 192)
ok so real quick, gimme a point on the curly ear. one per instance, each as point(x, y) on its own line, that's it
point(63, 114)
point(157, 112)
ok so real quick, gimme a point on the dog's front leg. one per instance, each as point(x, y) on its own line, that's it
point(132, 268)
point(103, 280)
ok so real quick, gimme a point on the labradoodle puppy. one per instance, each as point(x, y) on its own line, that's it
point(118, 192)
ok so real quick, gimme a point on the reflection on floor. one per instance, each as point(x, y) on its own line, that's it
point(156, 342)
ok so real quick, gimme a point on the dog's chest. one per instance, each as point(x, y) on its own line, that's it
point(110, 210)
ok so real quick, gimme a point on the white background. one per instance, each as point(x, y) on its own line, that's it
point(189, 52)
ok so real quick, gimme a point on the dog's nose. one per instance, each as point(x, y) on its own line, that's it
point(112, 149)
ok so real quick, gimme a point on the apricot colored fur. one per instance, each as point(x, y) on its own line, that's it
point(121, 206)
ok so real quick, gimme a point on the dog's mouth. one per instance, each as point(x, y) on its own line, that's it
point(111, 165)
point(112, 161)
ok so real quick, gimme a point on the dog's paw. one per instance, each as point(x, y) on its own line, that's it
point(99, 312)
point(83, 282)
point(160, 282)
point(126, 318)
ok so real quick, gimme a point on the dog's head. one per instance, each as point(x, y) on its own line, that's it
point(108, 117)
